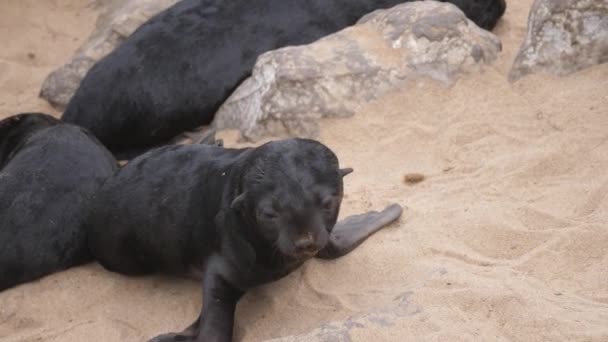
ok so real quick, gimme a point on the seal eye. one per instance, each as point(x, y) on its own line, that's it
point(268, 215)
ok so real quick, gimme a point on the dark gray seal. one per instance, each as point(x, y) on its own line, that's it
point(48, 172)
point(239, 217)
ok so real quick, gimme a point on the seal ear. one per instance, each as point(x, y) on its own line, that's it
point(236, 203)
point(346, 171)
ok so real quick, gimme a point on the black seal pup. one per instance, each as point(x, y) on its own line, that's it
point(240, 217)
point(173, 73)
point(48, 172)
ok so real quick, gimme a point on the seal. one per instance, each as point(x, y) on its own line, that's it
point(174, 72)
point(48, 171)
point(239, 217)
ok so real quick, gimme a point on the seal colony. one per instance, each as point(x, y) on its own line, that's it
point(48, 171)
point(240, 217)
point(173, 73)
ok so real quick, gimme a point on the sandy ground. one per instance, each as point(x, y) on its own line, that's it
point(506, 239)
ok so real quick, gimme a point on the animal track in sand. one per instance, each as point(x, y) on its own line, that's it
point(501, 242)
point(537, 220)
point(576, 261)
point(594, 201)
point(462, 257)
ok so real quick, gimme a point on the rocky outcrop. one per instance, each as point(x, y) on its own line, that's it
point(563, 36)
point(118, 19)
point(291, 88)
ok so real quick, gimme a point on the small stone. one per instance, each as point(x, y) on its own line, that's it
point(413, 178)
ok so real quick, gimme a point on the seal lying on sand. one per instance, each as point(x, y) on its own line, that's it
point(173, 73)
point(240, 217)
point(48, 171)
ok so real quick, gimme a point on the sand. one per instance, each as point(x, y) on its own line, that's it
point(504, 239)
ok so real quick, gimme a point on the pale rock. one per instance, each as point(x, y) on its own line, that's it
point(563, 36)
point(292, 88)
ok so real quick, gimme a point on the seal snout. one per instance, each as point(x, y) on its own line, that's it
point(305, 244)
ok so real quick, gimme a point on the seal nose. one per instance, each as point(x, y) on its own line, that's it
point(304, 243)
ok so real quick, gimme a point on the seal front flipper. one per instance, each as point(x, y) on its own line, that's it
point(189, 334)
point(353, 230)
point(173, 337)
point(216, 320)
point(235, 261)
point(219, 305)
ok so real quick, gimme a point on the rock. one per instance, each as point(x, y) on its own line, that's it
point(399, 312)
point(291, 88)
point(118, 19)
point(563, 36)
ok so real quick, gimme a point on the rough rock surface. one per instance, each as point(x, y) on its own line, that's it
point(563, 36)
point(118, 19)
point(399, 310)
point(291, 88)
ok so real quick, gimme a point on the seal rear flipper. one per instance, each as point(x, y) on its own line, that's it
point(353, 230)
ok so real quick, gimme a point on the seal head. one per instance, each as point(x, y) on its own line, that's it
point(291, 192)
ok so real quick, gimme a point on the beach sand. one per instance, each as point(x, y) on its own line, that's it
point(506, 238)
